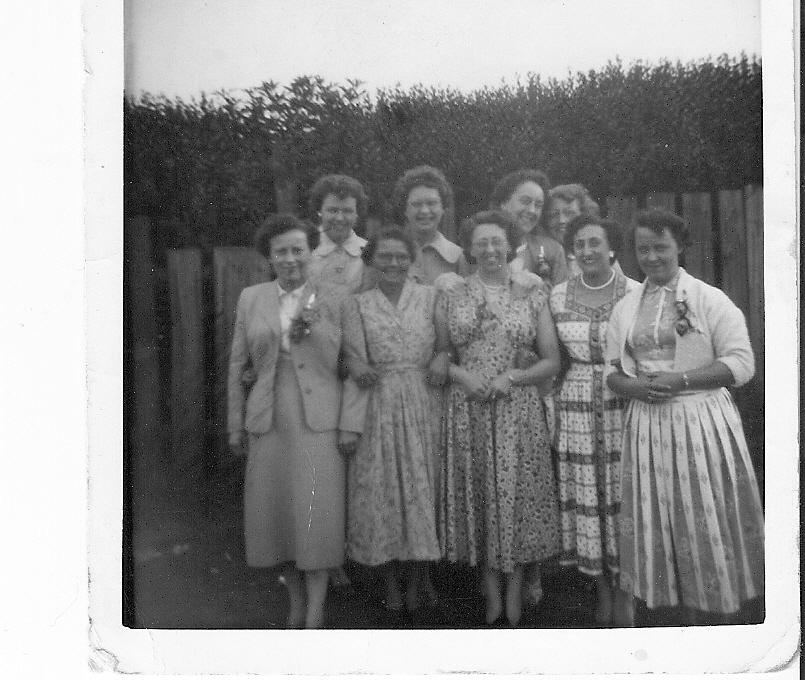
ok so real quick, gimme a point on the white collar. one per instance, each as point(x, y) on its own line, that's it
point(449, 251)
point(352, 245)
point(295, 293)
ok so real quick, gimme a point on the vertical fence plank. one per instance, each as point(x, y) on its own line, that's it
point(753, 196)
point(661, 199)
point(234, 269)
point(143, 383)
point(185, 283)
point(622, 209)
point(732, 231)
point(697, 210)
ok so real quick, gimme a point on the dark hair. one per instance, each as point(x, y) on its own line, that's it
point(611, 228)
point(341, 186)
point(280, 223)
point(508, 184)
point(420, 176)
point(498, 217)
point(387, 232)
point(660, 219)
point(575, 192)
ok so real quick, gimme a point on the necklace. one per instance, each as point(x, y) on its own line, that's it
point(603, 285)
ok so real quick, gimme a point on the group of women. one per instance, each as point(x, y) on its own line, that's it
point(497, 402)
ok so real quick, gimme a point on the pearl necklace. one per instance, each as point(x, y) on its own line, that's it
point(603, 285)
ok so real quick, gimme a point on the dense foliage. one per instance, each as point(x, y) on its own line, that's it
point(206, 170)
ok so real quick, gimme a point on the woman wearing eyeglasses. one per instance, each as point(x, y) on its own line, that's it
point(691, 523)
point(339, 202)
point(392, 475)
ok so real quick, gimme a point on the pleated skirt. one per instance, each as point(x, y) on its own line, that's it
point(691, 525)
point(294, 507)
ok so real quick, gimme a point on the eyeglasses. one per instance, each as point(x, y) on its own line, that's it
point(483, 244)
point(425, 204)
point(388, 258)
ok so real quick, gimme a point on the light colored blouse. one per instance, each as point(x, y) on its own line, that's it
point(717, 331)
point(289, 303)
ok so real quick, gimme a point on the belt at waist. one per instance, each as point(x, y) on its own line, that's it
point(588, 363)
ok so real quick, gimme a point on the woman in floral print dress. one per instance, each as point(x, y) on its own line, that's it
point(588, 414)
point(392, 476)
point(499, 505)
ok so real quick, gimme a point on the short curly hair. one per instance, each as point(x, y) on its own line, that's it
point(341, 186)
point(498, 217)
point(660, 219)
point(276, 224)
point(387, 232)
point(611, 228)
point(575, 192)
point(508, 184)
point(420, 176)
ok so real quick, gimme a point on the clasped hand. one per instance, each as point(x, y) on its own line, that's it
point(479, 389)
point(658, 387)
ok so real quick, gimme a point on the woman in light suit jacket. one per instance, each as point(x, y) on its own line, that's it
point(691, 522)
point(297, 417)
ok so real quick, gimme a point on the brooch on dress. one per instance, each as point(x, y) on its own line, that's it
point(683, 324)
point(302, 323)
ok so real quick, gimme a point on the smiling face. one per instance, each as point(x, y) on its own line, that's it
point(423, 213)
point(562, 212)
point(338, 217)
point(392, 260)
point(489, 247)
point(525, 205)
point(591, 248)
point(290, 254)
point(657, 254)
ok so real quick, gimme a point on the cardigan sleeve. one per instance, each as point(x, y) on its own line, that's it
point(730, 336)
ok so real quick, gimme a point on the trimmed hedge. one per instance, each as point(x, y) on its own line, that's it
point(204, 171)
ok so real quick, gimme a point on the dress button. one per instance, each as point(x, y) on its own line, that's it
point(308, 390)
point(300, 365)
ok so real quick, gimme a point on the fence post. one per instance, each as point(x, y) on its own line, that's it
point(233, 269)
point(622, 209)
point(754, 254)
point(732, 231)
point(185, 285)
point(145, 436)
point(697, 210)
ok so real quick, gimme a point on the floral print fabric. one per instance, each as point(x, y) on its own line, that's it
point(499, 499)
point(392, 477)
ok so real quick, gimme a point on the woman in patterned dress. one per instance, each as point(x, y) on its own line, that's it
point(391, 479)
point(499, 505)
point(691, 528)
point(588, 415)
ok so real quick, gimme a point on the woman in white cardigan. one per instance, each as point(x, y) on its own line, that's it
point(691, 523)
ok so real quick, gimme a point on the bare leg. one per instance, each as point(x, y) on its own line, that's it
point(514, 595)
point(413, 577)
point(494, 605)
point(624, 609)
point(391, 577)
point(427, 586)
point(296, 597)
point(603, 592)
point(316, 586)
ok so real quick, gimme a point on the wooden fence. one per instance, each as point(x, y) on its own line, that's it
point(726, 251)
